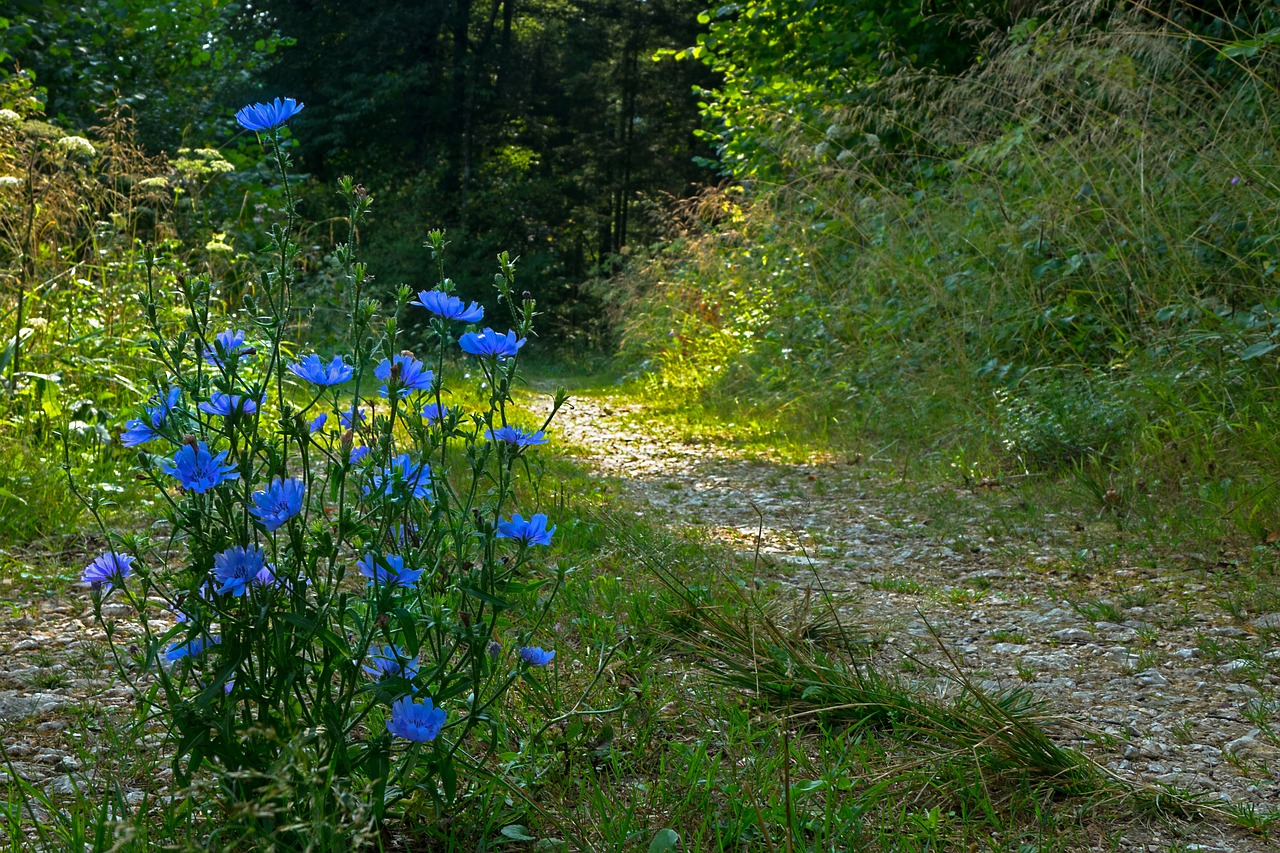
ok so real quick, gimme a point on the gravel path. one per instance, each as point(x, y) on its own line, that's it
point(1187, 691)
point(1143, 654)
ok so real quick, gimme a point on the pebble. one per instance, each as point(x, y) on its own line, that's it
point(1267, 622)
point(1244, 744)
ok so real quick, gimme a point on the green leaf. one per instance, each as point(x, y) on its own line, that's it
point(666, 840)
point(808, 785)
point(516, 832)
point(449, 779)
point(330, 639)
point(493, 601)
point(1260, 348)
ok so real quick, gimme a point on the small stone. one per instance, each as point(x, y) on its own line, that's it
point(15, 705)
point(1052, 661)
point(65, 785)
point(1244, 744)
point(1123, 657)
point(1243, 689)
point(1077, 636)
point(1187, 654)
point(1267, 622)
point(1153, 678)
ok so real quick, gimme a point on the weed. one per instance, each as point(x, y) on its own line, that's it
point(1099, 611)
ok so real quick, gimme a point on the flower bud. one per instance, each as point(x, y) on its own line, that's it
point(190, 440)
point(348, 438)
point(466, 618)
point(495, 649)
point(527, 296)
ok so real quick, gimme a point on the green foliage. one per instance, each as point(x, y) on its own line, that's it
point(71, 211)
point(786, 64)
point(175, 63)
point(1025, 283)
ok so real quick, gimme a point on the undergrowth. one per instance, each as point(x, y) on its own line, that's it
point(1061, 264)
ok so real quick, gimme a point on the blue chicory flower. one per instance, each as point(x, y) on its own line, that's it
point(226, 344)
point(198, 469)
point(313, 370)
point(358, 454)
point(352, 418)
point(516, 436)
point(490, 343)
point(226, 405)
point(391, 662)
point(193, 648)
point(531, 532)
point(142, 430)
point(260, 117)
point(403, 472)
point(388, 570)
point(415, 721)
point(236, 567)
point(404, 373)
point(434, 412)
point(318, 424)
point(536, 656)
point(108, 570)
point(278, 503)
point(137, 431)
point(449, 307)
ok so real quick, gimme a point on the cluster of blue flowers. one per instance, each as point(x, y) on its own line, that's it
point(267, 616)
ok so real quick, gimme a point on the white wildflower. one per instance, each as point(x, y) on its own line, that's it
point(158, 182)
point(78, 146)
point(9, 117)
point(7, 181)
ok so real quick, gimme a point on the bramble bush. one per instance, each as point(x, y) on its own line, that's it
point(325, 602)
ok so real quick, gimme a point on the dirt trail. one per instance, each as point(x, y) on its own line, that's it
point(1139, 653)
